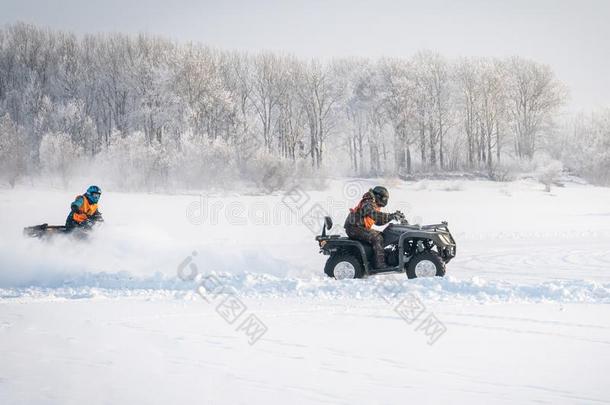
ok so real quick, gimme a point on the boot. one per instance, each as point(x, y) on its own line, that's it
point(380, 261)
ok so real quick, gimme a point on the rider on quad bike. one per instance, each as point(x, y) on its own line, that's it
point(84, 213)
point(367, 213)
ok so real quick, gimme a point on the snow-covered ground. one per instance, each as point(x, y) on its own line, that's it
point(523, 315)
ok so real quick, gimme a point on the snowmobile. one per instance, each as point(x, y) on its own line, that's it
point(44, 231)
point(418, 251)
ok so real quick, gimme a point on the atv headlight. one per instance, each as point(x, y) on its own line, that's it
point(444, 239)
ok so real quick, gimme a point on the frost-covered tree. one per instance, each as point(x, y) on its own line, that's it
point(533, 95)
point(434, 104)
point(59, 156)
point(584, 145)
point(548, 171)
point(14, 151)
point(321, 90)
point(397, 93)
point(161, 101)
point(360, 96)
point(270, 82)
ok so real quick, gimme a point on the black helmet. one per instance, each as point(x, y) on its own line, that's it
point(381, 195)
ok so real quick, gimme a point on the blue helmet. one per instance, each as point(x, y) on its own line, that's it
point(93, 194)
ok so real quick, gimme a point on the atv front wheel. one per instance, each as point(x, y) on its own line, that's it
point(426, 264)
point(343, 266)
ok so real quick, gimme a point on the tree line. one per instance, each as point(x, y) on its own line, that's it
point(183, 111)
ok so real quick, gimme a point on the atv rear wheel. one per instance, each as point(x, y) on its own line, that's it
point(343, 266)
point(426, 264)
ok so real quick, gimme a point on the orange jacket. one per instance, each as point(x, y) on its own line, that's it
point(367, 219)
point(366, 213)
point(82, 209)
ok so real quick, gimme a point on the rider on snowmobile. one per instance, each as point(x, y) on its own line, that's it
point(84, 212)
point(367, 213)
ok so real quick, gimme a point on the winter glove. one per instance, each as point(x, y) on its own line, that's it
point(398, 216)
point(97, 217)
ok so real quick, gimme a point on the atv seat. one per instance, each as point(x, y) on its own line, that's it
point(368, 249)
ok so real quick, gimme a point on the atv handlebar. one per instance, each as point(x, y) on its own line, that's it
point(400, 217)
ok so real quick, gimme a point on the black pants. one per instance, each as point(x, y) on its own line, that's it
point(372, 237)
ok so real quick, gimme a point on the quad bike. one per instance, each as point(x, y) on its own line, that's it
point(418, 251)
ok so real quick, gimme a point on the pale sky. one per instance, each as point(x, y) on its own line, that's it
point(571, 36)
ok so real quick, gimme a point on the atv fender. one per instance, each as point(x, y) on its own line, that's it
point(358, 248)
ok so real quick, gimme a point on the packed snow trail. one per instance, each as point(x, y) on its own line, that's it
point(255, 285)
point(525, 305)
point(159, 351)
